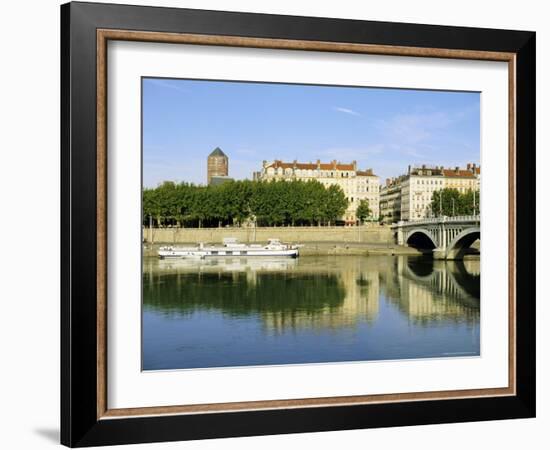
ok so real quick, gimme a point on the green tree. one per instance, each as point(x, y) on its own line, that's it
point(240, 193)
point(200, 209)
point(363, 210)
point(294, 202)
point(469, 203)
point(313, 209)
point(335, 203)
point(451, 202)
point(269, 203)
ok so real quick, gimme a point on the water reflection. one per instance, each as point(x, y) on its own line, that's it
point(235, 312)
point(315, 292)
point(428, 291)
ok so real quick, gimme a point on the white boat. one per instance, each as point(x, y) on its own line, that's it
point(229, 264)
point(231, 248)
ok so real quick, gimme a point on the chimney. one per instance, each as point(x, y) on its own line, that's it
point(354, 165)
point(468, 166)
point(423, 166)
point(409, 169)
point(264, 163)
point(334, 164)
point(295, 162)
point(457, 169)
point(388, 181)
point(318, 163)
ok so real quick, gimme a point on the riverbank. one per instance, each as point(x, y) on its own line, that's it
point(328, 249)
point(369, 239)
point(365, 234)
point(363, 249)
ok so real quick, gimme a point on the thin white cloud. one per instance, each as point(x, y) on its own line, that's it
point(346, 111)
point(421, 127)
point(167, 84)
point(414, 128)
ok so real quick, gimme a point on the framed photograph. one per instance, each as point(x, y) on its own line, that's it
point(277, 224)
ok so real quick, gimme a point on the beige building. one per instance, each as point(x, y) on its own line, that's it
point(356, 184)
point(409, 196)
point(463, 179)
point(217, 165)
point(390, 200)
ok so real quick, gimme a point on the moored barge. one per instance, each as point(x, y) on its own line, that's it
point(231, 248)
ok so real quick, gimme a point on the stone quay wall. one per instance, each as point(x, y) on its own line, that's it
point(367, 234)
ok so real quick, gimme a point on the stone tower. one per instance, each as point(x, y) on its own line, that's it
point(218, 164)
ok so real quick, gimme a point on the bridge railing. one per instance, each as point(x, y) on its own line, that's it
point(444, 219)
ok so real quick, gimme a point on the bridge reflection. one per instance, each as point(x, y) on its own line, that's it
point(317, 292)
point(431, 291)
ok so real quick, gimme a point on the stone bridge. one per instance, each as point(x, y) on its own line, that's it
point(449, 237)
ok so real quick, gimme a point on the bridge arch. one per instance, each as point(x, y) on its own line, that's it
point(421, 238)
point(420, 268)
point(457, 247)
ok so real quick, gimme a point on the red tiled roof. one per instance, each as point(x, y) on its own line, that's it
point(323, 166)
point(461, 173)
point(284, 165)
point(314, 166)
point(343, 166)
point(365, 173)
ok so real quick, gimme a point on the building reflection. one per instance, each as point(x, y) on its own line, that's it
point(360, 302)
point(328, 293)
point(429, 291)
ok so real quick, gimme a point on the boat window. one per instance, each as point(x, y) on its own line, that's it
point(214, 252)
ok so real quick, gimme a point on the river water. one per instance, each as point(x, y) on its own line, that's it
point(314, 309)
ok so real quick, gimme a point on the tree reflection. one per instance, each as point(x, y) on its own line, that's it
point(317, 292)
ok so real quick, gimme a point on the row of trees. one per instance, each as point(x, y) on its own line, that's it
point(235, 202)
point(451, 202)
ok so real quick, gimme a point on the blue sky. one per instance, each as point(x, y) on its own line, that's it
point(383, 129)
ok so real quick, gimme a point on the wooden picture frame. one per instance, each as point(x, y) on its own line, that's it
point(85, 417)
